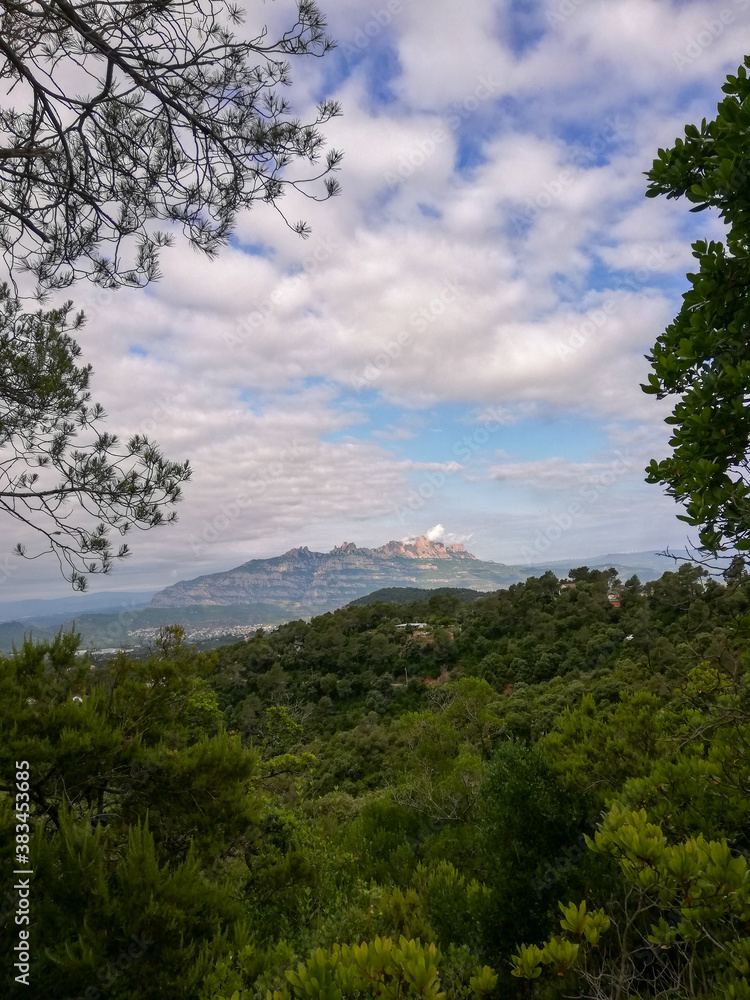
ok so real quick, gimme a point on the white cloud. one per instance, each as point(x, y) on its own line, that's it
point(529, 281)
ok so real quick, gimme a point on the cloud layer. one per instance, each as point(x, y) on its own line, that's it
point(492, 254)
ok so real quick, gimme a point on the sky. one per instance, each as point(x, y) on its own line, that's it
point(459, 344)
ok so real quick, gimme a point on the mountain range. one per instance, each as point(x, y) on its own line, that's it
point(329, 579)
point(297, 584)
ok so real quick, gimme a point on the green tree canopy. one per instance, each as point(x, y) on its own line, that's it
point(702, 358)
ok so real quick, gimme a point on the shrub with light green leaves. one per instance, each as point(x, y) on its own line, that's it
point(562, 953)
point(383, 968)
point(687, 904)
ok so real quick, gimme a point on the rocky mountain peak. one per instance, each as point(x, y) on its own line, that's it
point(345, 548)
point(330, 577)
point(299, 553)
point(423, 548)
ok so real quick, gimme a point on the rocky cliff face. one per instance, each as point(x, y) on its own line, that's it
point(325, 578)
point(420, 548)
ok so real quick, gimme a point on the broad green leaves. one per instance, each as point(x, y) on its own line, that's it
point(703, 357)
point(380, 968)
point(562, 953)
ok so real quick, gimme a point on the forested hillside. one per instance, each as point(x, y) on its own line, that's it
point(542, 793)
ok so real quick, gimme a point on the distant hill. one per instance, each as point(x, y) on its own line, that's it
point(201, 623)
point(325, 579)
point(407, 595)
point(646, 565)
point(13, 634)
point(204, 626)
point(59, 609)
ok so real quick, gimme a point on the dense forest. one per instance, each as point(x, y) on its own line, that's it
point(542, 792)
point(539, 793)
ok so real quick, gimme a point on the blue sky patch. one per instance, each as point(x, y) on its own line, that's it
point(429, 211)
point(523, 25)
